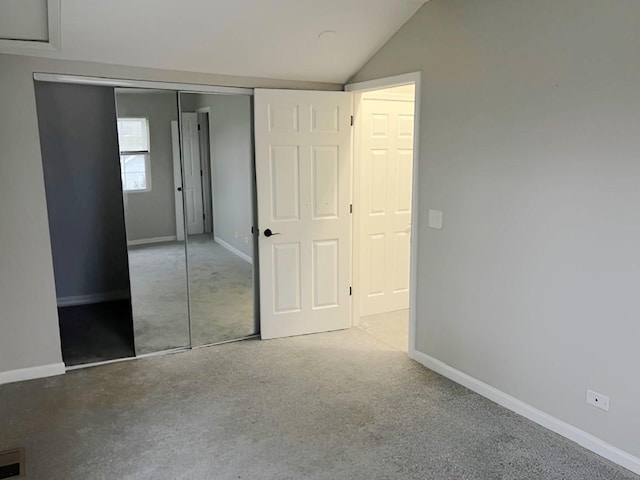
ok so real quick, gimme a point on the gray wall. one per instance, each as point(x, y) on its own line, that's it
point(79, 143)
point(29, 334)
point(152, 214)
point(231, 165)
point(529, 144)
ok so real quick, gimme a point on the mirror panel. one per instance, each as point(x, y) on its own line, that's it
point(151, 179)
point(217, 156)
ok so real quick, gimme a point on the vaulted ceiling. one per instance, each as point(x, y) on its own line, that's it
point(260, 38)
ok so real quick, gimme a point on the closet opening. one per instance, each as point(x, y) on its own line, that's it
point(152, 209)
point(80, 157)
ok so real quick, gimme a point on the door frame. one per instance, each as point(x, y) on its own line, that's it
point(207, 169)
point(177, 180)
point(360, 87)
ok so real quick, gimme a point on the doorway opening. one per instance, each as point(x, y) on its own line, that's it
point(383, 187)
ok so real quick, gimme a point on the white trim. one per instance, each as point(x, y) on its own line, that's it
point(147, 241)
point(387, 82)
point(55, 24)
point(93, 298)
point(30, 373)
point(32, 47)
point(177, 179)
point(383, 95)
point(233, 250)
point(554, 424)
point(207, 169)
point(119, 82)
point(395, 81)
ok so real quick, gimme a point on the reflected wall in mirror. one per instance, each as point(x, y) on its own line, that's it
point(217, 156)
point(151, 182)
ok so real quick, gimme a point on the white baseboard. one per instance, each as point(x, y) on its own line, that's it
point(233, 250)
point(556, 425)
point(93, 298)
point(32, 372)
point(146, 241)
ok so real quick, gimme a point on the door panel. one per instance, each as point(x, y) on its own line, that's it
point(194, 208)
point(303, 172)
point(386, 135)
point(286, 277)
point(285, 190)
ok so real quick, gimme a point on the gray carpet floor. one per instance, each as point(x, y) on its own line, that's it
point(339, 405)
point(220, 287)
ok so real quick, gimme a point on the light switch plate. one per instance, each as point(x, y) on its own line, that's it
point(435, 219)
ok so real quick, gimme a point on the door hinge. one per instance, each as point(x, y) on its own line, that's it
point(203, 216)
point(201, 174)
point(351, 208)
point(352, 120)
point(198, 126)
point(350, 290)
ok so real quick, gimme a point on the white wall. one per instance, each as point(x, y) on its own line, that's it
point(530, 144)
point(29, 334)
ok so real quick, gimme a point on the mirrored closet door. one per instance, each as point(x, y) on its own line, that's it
point(217, 156)
point(151, 187)
point(151, 204)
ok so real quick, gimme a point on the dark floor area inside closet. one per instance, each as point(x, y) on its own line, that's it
point(96, 332)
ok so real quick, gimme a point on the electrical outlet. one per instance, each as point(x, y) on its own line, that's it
point(598, 400)
point(236, 234)
point(246, 239)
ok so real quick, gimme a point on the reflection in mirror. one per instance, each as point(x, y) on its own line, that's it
point(151, 182)
point(219, 213)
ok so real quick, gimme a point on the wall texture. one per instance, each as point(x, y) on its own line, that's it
point(79, 144)
point(231, 166)
point(29, 334)
point(152, 214)
point(529, 144)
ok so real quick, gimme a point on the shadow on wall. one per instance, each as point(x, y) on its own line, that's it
point(80, 159)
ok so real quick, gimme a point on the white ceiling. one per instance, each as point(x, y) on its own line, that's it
point(260, 38)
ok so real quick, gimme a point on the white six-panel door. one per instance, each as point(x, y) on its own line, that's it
point(192, 178)
point(303, 173)
point(386, 161)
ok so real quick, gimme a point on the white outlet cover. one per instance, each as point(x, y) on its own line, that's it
point(598, 400)
point(435, 219)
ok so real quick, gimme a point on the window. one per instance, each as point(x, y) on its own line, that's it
point(133, 137)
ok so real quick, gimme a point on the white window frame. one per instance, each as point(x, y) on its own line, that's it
point(147, 159)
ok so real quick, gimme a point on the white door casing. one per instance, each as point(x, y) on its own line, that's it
point(192, 174)
point(303, 173)
point(177, 179)
point(384, 207)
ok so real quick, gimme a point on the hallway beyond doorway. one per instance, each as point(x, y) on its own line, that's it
point(391, 328)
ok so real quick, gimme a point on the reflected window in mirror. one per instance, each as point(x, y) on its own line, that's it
point(133, 138)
